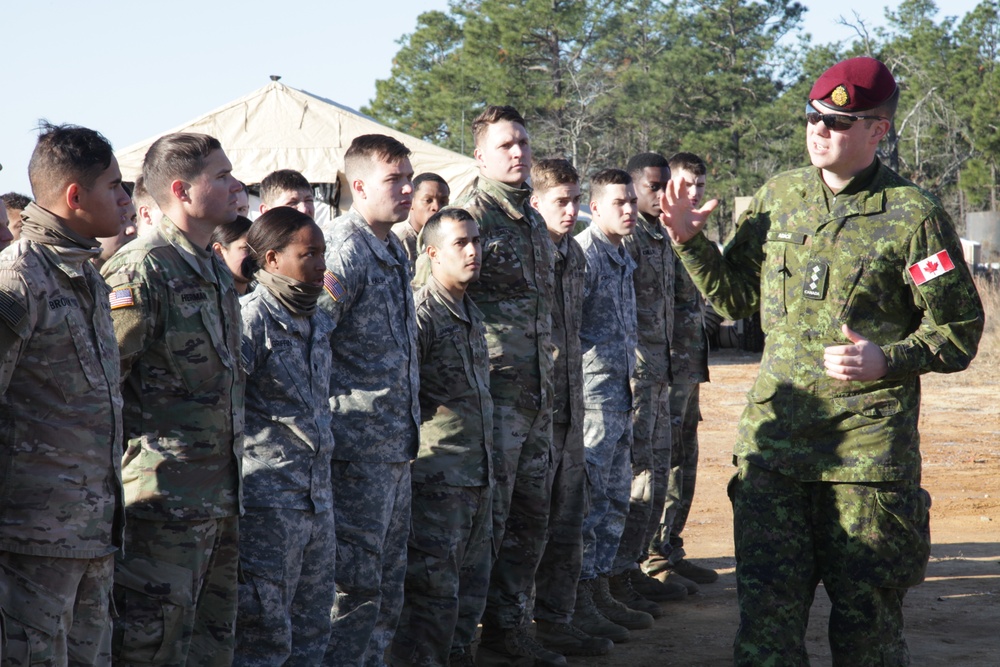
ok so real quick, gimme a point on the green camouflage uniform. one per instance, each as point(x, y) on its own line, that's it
point(828, 486)
point(376, 416)
point(608, 344)
point(653, 280)
point(287, 538)
point(559, 570)
point(450, 545)
point(177, 322)
point(514, 293)
point(61, 512)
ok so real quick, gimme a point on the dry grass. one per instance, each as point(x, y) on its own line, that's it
point(989, 346)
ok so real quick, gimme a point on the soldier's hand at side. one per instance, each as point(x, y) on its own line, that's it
point(681, 221)
point(863, 360)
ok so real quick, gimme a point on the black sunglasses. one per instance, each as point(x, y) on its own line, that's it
point(837, 122)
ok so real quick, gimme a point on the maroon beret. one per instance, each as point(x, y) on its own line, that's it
point(856, 84)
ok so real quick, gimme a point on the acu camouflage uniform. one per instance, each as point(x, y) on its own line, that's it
point(177, 322)
point(376, 414)
point(828, 486)
point(608, 342)
point(61, 512)
point(653, 280)
point(514, 292)
point(559, 570)
point(408, 237)
point(287, 539)
point(450, 546)
point(689, 368)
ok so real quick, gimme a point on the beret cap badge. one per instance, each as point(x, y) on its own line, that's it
point(839, 96)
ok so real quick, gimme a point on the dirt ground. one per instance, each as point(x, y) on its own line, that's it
point(952, 619)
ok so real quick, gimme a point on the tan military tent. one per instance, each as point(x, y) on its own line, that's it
point(277, 127)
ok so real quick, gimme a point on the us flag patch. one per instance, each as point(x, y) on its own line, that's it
point(333, 286)
point(121, 298)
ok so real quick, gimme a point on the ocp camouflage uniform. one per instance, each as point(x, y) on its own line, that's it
point(828, 486)
point(559, 570)
point(177, 322)
point(287, 542)
point(653, 280)
point(514, 292)
point(608, 343)
point(450, 545)
point(689, 368)
point(376, 414)
point(61, 512)
point(408, 237)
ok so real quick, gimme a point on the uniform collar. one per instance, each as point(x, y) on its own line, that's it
point(438, 291)
point(616, 253)
point(389, 251)
point(201, 260)
point(512, 200)
point(650, 227)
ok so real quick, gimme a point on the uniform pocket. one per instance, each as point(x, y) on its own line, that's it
point(153, 598)
point(63, 347)
point(898, 538)
point(32, 616)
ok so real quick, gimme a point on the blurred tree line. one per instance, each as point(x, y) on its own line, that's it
point(600, 80)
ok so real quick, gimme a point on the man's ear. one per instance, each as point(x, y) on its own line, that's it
point(179, 189)
point(358, 188)
point(73, 195)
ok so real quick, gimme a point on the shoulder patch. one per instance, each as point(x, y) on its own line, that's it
point(332, 285)
point(931, 267)
point(121, 298)
point(11, 311)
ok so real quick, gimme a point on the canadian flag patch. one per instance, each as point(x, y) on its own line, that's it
point(931, 267)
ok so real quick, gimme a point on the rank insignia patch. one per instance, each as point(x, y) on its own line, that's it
point(815, 280)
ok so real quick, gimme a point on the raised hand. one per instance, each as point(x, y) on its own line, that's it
point(680, 220)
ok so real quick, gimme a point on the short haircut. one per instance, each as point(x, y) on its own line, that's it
point(494, 114)
point(273, 230)
point(369, 149)
point(428, 176)
point(230, 232)
point(607, 177)
point(140, 195)
point(547, 174)
point(172, 157)
point(16, 200)
point(283, 180)
point(639, 163)
point(66, 154)
point(688, 162)
point(887, 109)
point(430, 235)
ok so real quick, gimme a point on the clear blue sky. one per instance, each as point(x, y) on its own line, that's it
point(134, 69)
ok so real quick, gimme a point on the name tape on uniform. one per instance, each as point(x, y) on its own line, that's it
point(931, 267)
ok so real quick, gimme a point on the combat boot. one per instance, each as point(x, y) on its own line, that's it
point(514, 647)
point(655, 590)
point(620, 587)
point(615, 611)
point(567, 639)
point(661, 570)
point(696, 573)
point(588, 618)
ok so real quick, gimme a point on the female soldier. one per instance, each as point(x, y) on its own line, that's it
point(287, 541)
